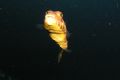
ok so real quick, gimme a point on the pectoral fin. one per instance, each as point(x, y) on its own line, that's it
point(40, 26)
point(68, 34)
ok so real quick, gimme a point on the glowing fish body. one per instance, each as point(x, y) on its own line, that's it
point(56, 27)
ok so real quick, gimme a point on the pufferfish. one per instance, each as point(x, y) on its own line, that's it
point(56, 27)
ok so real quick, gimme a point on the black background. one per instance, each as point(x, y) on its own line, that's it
point(27, 52)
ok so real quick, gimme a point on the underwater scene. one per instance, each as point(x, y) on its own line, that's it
point(59, 40)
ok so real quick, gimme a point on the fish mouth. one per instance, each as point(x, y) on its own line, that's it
point(50, 15)
point(50, 20)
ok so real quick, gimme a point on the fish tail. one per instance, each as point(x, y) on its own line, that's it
point(60, 55)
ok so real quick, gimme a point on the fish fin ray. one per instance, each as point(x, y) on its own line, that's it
point(60, 55)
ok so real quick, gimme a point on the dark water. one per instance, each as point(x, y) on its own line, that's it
point(28, 53)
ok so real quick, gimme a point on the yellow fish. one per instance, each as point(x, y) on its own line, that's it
point(57, 30)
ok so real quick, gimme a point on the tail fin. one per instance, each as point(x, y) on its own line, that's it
point(60, 55)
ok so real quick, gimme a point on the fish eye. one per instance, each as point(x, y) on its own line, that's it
point(47, 12)
point(61, 14)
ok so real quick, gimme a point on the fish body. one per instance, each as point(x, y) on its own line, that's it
point(56, 28)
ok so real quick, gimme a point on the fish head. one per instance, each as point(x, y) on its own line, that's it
point(52, 17)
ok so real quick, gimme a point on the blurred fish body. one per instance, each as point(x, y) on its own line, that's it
point(56, 28)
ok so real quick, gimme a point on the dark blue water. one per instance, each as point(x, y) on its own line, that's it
point(27, 52)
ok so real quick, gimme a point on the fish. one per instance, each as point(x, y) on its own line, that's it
point(57, 30)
